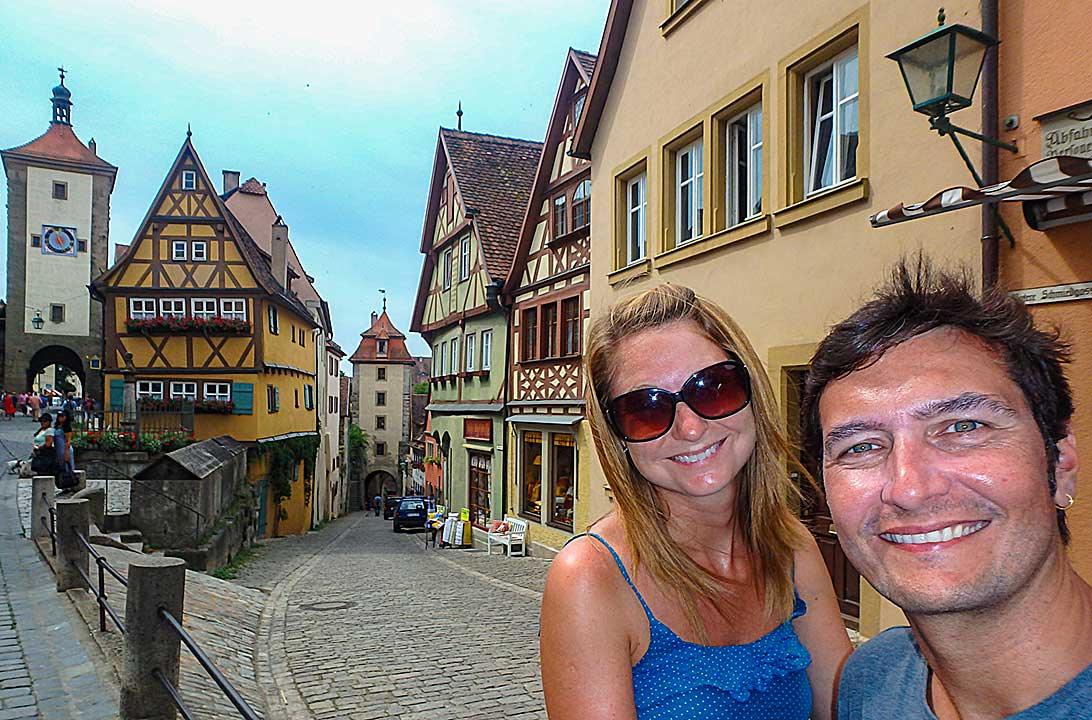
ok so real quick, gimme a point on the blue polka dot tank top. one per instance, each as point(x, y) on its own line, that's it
point(761, 680)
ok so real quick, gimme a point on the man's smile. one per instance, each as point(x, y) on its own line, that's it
point(943, 534)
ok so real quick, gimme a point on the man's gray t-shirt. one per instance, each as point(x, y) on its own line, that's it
point(886, 680)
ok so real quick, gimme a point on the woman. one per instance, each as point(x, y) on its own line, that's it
point(66, 456)
point(701, 595)
point(42, 455)
point(9, 406)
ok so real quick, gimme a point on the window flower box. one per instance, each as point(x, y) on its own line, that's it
point(160, 325)
point(214, 407)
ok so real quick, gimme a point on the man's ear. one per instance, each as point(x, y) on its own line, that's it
point(1065, 470)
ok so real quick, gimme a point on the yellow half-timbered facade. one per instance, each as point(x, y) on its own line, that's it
point(198, 315)
point(548, 439)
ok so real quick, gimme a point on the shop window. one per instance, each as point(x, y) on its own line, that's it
point(570, 326)
point(487, 348)
point(531, 497)
point(562, 479)
point(481, 465)
point(743, 166)
point(60, 190)
point(549, 330)
point(636, 218)
point(830, 123)
point(582, 205)
point(529, 333)
point(559, 216)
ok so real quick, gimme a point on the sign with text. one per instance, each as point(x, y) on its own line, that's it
point(1068, 132)
point(1055, 293)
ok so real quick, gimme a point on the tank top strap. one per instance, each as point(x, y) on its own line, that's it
point(622, 569)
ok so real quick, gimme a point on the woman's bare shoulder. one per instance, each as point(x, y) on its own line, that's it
point(587, 563)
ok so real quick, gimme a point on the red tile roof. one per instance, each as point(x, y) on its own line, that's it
point(382, 329)
point(59, 142)
point(494, 176)
point(252, 187)
point(587, 61)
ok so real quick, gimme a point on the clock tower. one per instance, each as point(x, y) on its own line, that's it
point(58, 239)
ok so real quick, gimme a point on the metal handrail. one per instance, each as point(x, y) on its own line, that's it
point(100, 594)
point(218, 677)
point(178, 702)
point(113, 468)
point(51, 525)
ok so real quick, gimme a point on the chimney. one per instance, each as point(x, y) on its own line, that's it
point(279, 252)
point(93, 147)
point(231, 180)
point(374, 317)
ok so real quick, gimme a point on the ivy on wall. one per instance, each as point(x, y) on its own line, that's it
point(283, 457)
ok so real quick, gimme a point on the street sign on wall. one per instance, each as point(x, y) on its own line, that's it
point(1067, 131)
point(1055, 293)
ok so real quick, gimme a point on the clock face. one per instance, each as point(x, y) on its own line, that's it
point(57, 240)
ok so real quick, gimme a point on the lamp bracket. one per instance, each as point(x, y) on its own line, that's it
point(944, 126)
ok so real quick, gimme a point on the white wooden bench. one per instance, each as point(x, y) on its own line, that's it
point(516, 536)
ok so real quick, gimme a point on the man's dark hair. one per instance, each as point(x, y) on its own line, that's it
point(918, 298)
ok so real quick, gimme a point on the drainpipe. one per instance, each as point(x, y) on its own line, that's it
point(990, 109)
point(493, 300)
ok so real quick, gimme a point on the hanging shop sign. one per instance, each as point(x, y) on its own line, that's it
point(1067, 131)
point(1055, 293)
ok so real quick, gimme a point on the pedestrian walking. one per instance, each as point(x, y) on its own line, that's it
point(22, 403)
point(9, 406)
point(35, 404)
point(377, 503)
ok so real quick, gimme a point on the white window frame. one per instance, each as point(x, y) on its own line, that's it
point(179, 250)
point(812, 125)
point(692, 186)
point(454, 355)
point(233, 309)
point(446, 269)
point(637, 218)
point(464, 258)
point(443, 358)
point(183, 390)
point(582, 196)
point(172, 307)
point(487, 348)
point(147, 311)
point(204, 308)
point(218, 391)
point(189, 179)
point(749, 123)
point(274, 317)
point(469, 351)
point(309, 396)
point(149, 389)
point(199, 251)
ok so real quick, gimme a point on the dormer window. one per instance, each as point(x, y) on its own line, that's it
point(189, 180)
point(381, 348)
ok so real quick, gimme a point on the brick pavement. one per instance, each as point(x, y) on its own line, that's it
point(362, 623)
point(49, 667)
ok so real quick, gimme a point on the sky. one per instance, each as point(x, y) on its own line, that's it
point(334, 105)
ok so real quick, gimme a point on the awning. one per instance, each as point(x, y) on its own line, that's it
point(458, 408)
point(537, 419)
point(1053, 189)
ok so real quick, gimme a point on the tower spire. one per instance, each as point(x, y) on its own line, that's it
point(459, 114)
point(62, 102)
point(383, 292)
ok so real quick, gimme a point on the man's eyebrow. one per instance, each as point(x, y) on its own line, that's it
point(962, 403)
point(841, 432)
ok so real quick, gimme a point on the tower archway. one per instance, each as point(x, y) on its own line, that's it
point(55, 356)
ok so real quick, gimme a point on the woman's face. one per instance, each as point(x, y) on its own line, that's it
point(696, 457)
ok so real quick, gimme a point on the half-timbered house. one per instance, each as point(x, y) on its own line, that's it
point(477, 197)
point(197, 315)
point(548, 286)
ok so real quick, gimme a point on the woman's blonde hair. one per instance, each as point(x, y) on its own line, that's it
point(766, 500)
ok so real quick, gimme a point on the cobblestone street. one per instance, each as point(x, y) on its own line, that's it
point(364, 623)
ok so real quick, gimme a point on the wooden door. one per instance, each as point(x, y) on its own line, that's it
point(814, 511)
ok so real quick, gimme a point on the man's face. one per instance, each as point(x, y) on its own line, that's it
point(936, 475)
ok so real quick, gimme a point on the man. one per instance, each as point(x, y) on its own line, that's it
point(941, 423)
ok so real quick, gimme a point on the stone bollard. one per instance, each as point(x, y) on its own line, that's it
point(81, 480)
point(71, 553)
point(43, 497)
point(97, 498)
point(150, 643)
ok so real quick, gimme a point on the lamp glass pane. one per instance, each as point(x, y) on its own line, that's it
point(926, 70)
point(969, 55)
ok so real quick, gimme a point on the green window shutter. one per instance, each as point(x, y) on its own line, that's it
point(242, 394)
point(117, 395)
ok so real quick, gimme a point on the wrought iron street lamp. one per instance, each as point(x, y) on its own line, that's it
point(38, 321)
